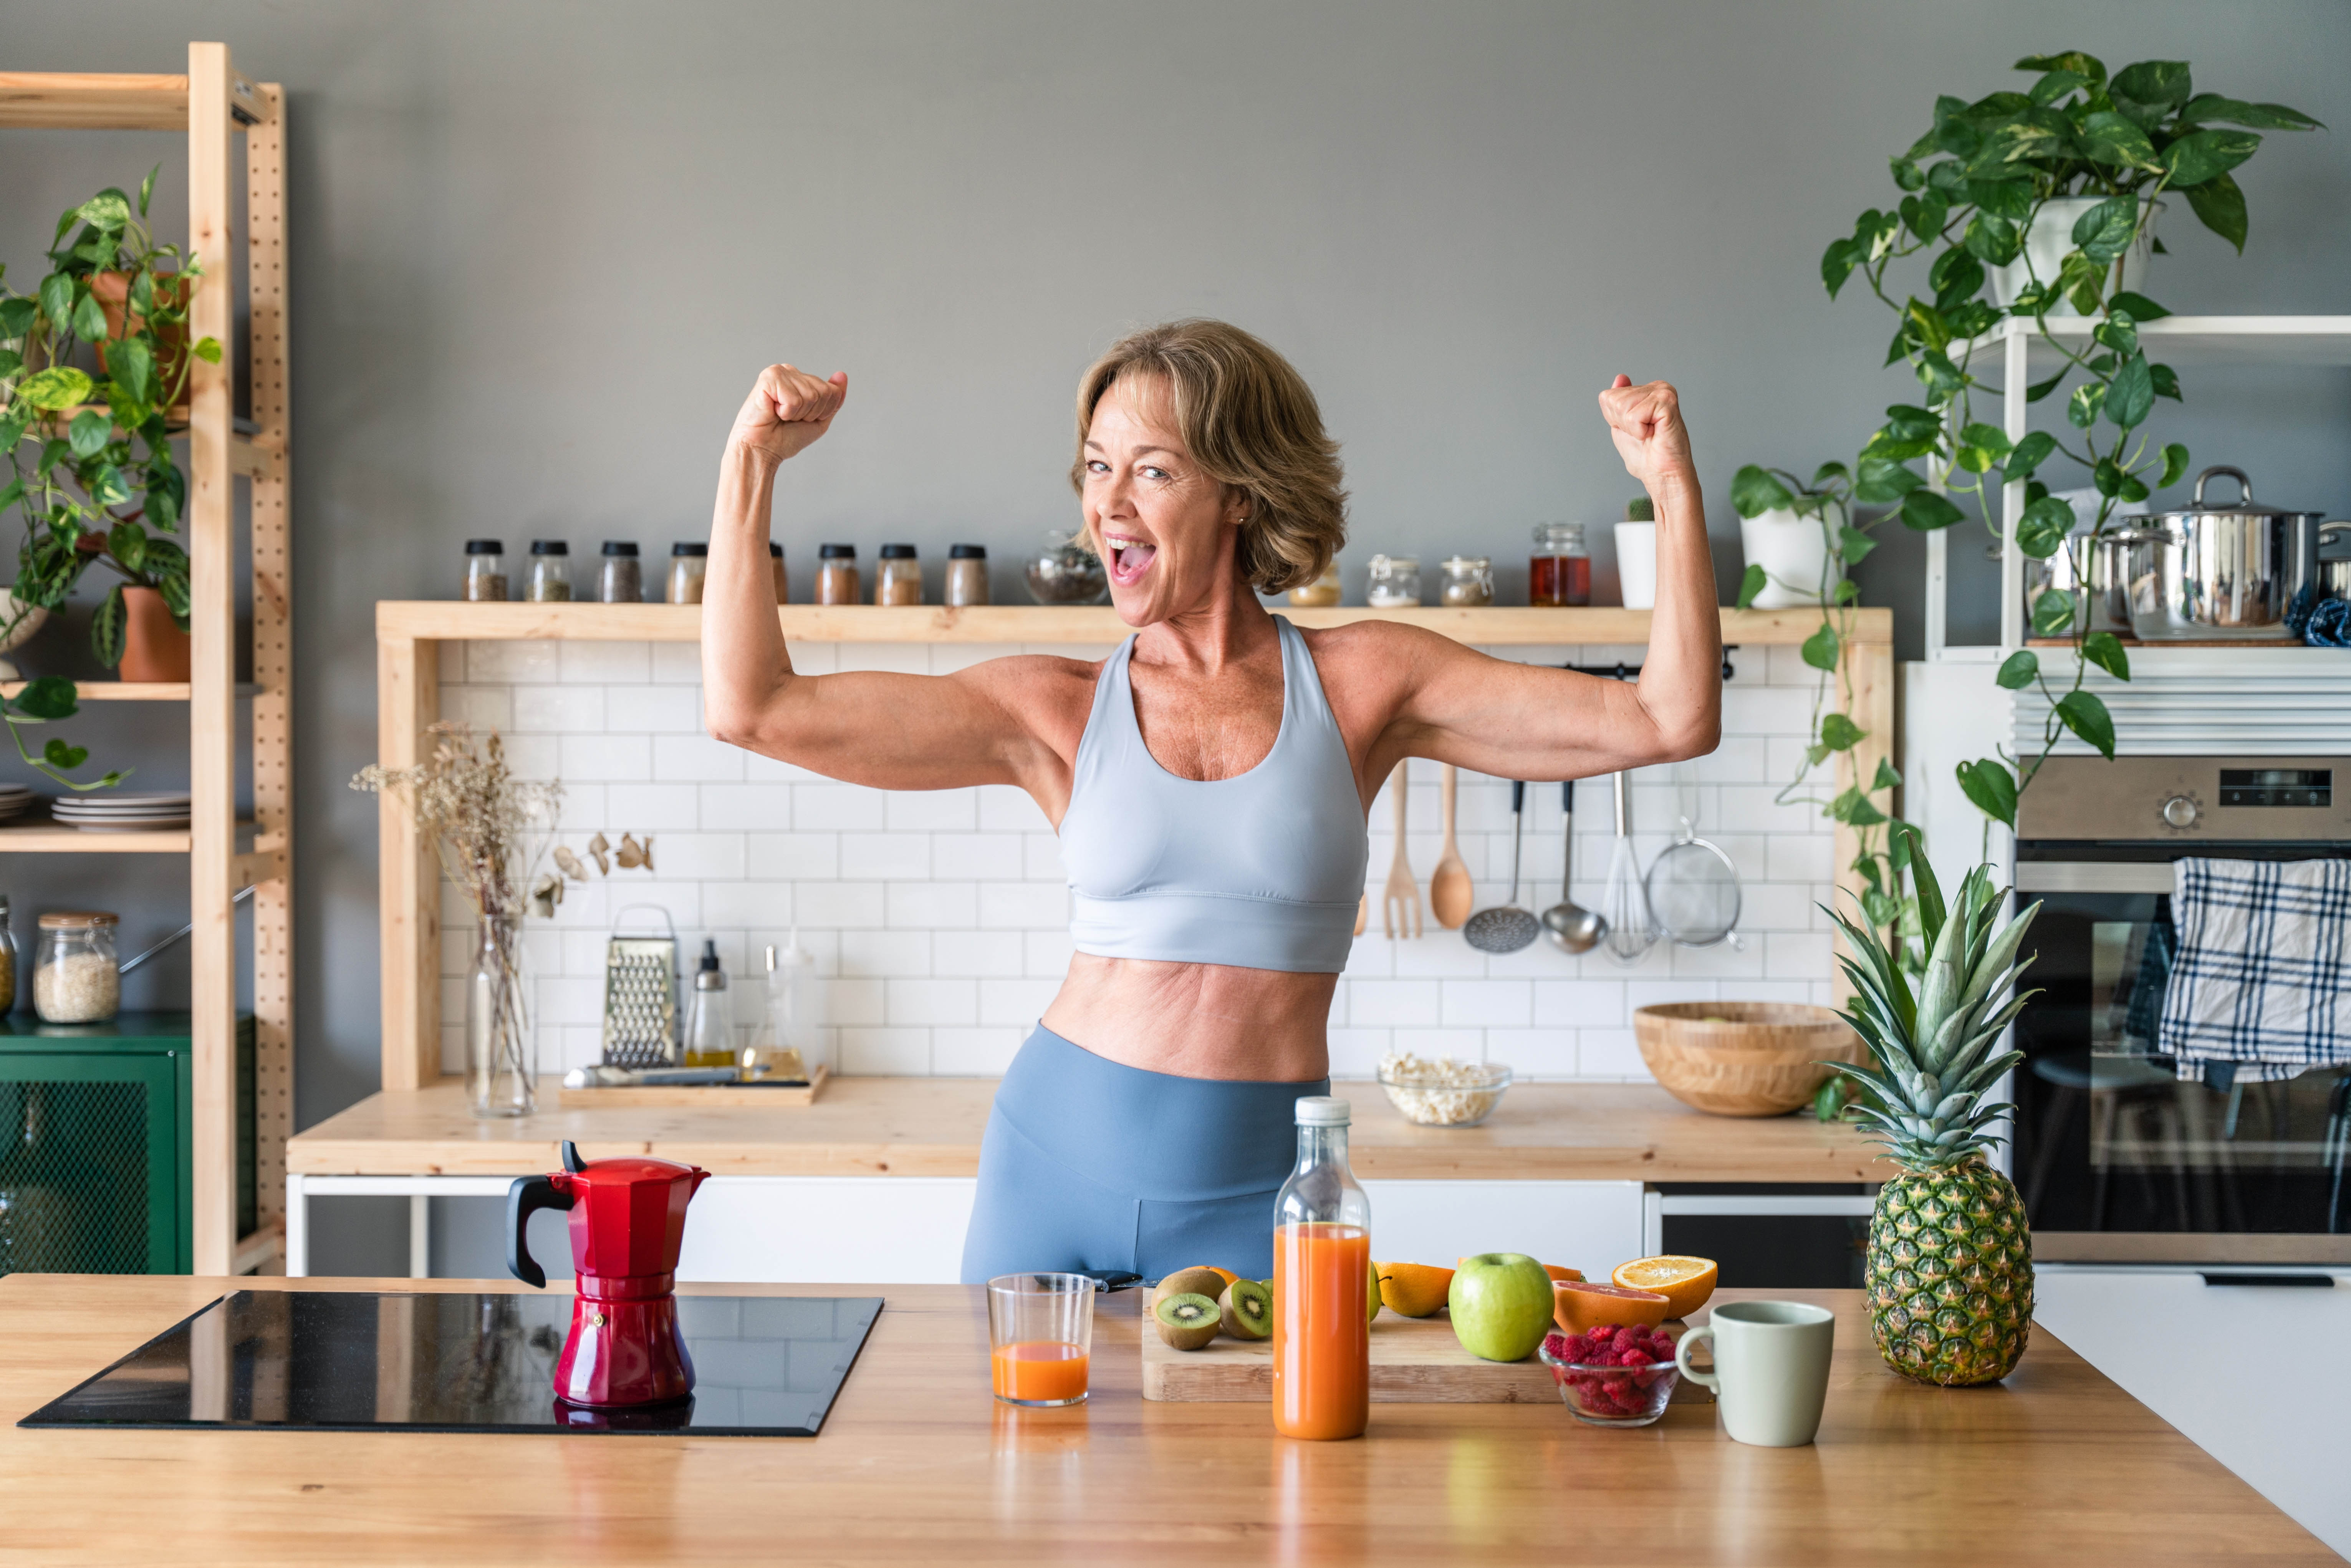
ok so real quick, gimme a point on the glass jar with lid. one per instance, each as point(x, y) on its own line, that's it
point(621, 580)
point(1468, 583)
point(77, 977)
point(899, 578)
point(967, 574)
point(836, 574)
point(1322, 593)
point(687, 564)
point(1395, 583)
point(550, 572)
point(783, 579)
point(1064, 571)
point(486, 572)
point(1559, 573)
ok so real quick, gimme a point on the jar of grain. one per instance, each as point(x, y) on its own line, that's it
point(899, 578)
point(688, 562)
point(1395, 583)
point(550, 572)
point(622, 579)
point(783, 582)
point(967, 574)
point(1468, 583)
point(76, 979)
point(8, 961)
point(836, 574)
point(1323, 593)
point(486, 572)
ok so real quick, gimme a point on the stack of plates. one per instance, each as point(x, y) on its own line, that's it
point(15, 801)
point(107, 813)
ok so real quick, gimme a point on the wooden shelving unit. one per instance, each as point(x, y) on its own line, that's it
point(214, 104)
point(408, 698)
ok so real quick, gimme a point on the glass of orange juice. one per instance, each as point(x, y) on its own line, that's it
point(1040, 1329)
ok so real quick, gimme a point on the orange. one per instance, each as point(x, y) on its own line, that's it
point(1412, 1290)
point(1687, 1283)
point(1557, 1274)
point(1226, 1275)
point(1579, 1305)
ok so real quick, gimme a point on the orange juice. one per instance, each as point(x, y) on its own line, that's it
point(1322, 1332)
point(1040, 1372)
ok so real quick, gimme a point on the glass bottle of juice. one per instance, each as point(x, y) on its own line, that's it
point(1322, 1284)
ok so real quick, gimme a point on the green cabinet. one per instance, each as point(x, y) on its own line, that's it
point(95, 1144)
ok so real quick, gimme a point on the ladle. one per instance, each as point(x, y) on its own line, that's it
point(1570, 927)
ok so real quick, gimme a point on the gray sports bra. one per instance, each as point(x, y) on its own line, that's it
point(1261, 870)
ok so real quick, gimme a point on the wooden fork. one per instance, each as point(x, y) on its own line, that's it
point(1402, 893)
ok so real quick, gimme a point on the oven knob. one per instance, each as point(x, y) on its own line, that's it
point(2180, 811)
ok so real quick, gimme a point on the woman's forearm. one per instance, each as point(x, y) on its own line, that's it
point(745, 667)
point(1680, 684)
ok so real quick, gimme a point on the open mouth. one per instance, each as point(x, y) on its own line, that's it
point(1129, 558)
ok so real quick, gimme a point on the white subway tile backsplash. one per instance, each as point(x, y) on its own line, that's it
point(939, 919)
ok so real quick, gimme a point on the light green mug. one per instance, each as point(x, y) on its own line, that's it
point(1770, 1374)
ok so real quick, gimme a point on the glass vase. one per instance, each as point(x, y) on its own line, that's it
point(501, 1062)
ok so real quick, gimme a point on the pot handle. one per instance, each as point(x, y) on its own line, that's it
point(527, 1196)
point(2244, 486)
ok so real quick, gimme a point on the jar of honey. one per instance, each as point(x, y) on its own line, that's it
point(1559, 573)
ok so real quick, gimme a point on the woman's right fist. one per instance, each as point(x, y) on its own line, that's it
point(787, 409)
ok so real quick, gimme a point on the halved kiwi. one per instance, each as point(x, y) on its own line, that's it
point(1246, 1310)
point(1188, 1320)
point(1189, 1282)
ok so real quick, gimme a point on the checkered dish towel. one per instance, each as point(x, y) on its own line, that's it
point(2264, 974)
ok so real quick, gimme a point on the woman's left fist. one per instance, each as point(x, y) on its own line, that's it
point(1646, 422)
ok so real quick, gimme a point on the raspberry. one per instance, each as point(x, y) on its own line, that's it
point(1602, 1331)
point(1635, 1358)
point(1628, 1338)
point(1578, 1348)
point(1555, 1344)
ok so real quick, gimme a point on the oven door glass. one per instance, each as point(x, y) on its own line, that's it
point(2112, 1142)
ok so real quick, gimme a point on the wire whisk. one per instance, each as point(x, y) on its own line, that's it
point(1626, 906)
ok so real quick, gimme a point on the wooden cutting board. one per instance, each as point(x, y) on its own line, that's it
point(1415, 1360)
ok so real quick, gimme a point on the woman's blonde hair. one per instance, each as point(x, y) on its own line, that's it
point(1249, 421)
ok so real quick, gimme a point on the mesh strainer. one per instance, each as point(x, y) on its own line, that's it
point(1694, 890)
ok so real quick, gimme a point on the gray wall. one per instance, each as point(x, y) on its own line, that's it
point(540, 249)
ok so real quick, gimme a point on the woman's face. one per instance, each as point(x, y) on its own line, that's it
point(1164, 529)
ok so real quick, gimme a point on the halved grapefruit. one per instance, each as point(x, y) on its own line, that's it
point(1579, 1305)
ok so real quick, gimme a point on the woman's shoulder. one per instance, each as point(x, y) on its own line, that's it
point(1386, 644)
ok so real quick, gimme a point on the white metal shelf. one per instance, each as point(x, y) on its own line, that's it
point(2193, 339)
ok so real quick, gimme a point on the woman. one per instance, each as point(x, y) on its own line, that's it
point(1209, 780)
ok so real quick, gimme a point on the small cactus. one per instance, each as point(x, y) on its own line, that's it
point(1639, 511)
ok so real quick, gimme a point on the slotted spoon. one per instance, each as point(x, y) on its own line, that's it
point(1505, 928)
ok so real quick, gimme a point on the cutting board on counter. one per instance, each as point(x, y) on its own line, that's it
point(1415, 1360)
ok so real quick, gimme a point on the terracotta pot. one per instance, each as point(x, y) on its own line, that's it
point(112, 292)
point(154, 649)
point(1742, 1059)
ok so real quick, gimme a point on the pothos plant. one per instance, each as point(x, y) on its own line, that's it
point(1971, 188)
point(88, 435)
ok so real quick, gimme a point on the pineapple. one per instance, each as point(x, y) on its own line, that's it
point(1949, 1270)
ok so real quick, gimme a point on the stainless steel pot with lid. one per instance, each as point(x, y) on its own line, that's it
point(2222, 572)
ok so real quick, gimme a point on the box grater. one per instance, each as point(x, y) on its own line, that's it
point(641, 995)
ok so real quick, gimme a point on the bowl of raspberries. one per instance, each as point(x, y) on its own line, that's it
point(1613, 1375)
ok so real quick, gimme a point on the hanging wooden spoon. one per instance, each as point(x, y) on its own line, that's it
point(1451, 893)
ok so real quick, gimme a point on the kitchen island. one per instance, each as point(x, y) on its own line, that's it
point(918, 1462)
point(888, 1163)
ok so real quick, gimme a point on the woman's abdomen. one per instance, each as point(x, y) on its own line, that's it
point(1197, 1020)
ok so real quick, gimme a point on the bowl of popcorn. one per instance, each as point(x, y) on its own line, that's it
point(1438, 1091)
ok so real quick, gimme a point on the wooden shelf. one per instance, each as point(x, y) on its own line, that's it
point(103, 100)
point(434, 620)
point(45, 835)
point(2194, 339)
point(129, 690)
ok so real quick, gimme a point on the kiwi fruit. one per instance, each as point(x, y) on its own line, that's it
point(1187, 1321)
point(1189, 1282)
point(1247, 1310)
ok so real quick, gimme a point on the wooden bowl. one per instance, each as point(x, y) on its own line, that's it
point(1742, 1059)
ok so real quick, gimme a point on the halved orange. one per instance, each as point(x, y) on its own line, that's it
point(1556, 1272)
point(1412, 1290)
point(1579, 1305)
point(1687, 1283)
point(1225, 1274)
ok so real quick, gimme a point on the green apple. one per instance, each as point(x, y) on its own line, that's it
point(1501, 1305)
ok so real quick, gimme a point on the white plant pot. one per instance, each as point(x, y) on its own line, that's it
point(15, 635)
point(1636, 564)
point(2046, 244)
point(1793, 552)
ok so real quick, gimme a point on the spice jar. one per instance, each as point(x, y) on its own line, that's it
point(783, 580)
point(899, 578)
point(1559, 574)
point(1320, 594)
point(688, 562)
point(1395, 583)
point(486, 572)
point(550, 572)
point(76, 979)
point(622, 580)
point(1468, 583)
point(7, 959)
point(967, 574)
point(836, 574)
point(1064, 571)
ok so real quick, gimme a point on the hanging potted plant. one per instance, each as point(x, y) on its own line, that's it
point(88, 436)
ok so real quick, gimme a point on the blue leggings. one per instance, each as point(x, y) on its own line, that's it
point(1089, 1164)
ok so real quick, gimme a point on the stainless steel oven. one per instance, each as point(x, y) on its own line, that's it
point(2122, 1156)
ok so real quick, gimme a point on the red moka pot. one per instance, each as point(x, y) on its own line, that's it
point(628, 1218)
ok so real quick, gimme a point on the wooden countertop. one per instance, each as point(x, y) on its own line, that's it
point(931, 1126)
point(918, 1463)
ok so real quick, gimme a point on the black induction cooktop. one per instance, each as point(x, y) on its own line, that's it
point(766, 1366)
